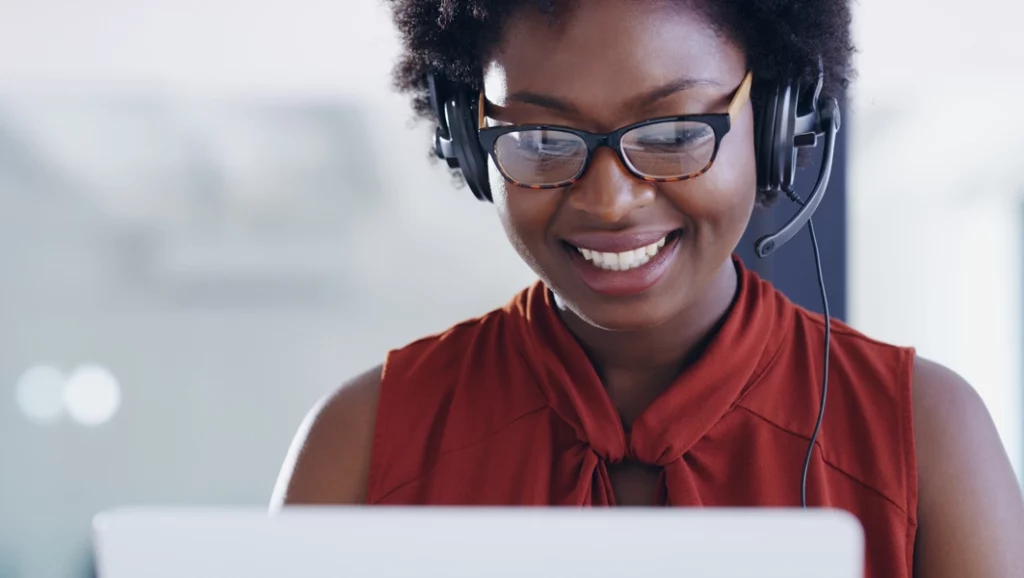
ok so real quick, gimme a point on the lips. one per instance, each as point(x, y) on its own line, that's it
point(622, 265)
point(618, 241)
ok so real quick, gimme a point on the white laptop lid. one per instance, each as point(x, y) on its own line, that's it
point(384, 542)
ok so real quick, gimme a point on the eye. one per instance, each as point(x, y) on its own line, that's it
point(547, 143)
point(671, 136)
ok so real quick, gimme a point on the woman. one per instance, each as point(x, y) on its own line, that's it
point(648, 365)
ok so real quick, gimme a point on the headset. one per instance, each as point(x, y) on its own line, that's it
point(794, 116)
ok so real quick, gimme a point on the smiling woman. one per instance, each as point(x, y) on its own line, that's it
point(622, 146)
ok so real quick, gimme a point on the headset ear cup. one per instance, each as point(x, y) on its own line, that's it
point(777, 156)
point(781, 136)
point(466, 145)
point(787, 144)
point(766, 141)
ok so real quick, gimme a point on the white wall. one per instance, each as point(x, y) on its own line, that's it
point(936, 191)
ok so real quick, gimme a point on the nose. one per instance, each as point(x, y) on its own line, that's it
point(608, 191)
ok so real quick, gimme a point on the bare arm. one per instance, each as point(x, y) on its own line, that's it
point(971, 508)
point(329, 459)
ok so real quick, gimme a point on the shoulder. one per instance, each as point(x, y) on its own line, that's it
point(942, 397)
point(450, 391)
point(870, 381)
point(446, 347)
point(868, 430)
point(952, 426)
point(971, 511)
point(337, 447)
point(474, 351)
point(329, 459)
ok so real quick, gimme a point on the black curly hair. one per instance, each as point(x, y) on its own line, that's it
point(783, 39)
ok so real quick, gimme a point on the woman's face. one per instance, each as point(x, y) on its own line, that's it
point(593, 70)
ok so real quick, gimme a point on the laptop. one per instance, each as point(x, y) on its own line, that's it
point(392, 542)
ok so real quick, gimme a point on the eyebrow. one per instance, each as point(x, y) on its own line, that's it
point(639, 101)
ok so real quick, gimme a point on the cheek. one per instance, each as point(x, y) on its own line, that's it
point(524, 215)
point(719, 202)
point(508, 213)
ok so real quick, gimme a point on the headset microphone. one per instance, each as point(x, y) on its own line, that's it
point(830, 122)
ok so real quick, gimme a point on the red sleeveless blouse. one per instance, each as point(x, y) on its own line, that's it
point(506, 409)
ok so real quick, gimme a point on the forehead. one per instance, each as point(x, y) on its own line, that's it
point(605, 52)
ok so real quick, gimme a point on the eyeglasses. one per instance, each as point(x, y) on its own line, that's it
point(665, 149)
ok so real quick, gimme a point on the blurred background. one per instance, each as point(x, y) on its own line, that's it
point(211, 213)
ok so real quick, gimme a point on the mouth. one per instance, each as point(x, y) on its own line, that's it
point(628, 272)
point(625, 260)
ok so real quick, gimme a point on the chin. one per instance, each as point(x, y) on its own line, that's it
point(635, 314)
point(623, 322)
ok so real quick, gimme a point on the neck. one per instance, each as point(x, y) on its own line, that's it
point(636, 366)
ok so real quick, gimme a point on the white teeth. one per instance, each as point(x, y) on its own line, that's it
point(625, 260)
